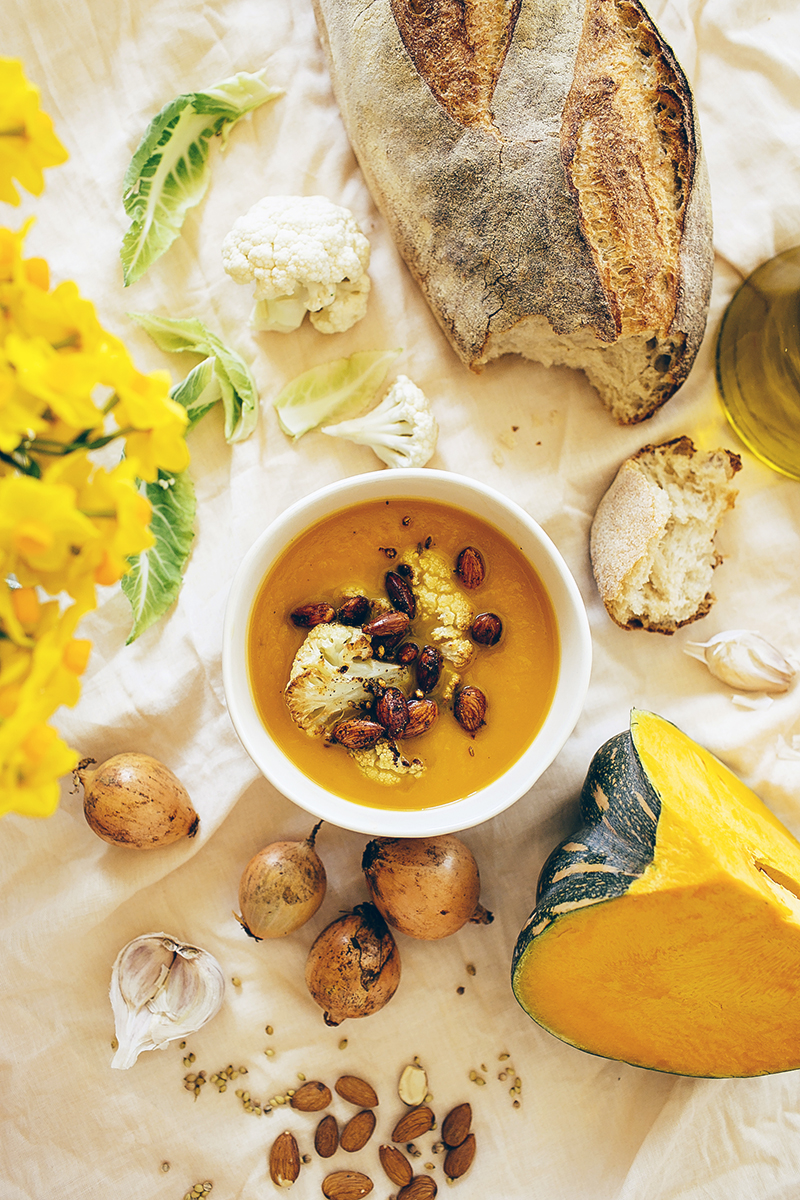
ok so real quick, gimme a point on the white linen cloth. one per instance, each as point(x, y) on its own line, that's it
point(586, 1127)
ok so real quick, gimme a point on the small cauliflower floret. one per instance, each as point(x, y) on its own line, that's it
point(439, 599)
point(402, 430)
point(383, 763)
point(334, 673)
point(304, 254)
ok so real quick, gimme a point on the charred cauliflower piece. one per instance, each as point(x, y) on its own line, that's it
point(334, 673)
point(440, 599)
point(383, 763)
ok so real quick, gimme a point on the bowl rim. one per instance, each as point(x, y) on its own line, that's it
point(571, 685)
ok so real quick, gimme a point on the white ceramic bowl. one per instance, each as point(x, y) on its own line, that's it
point(571, 685)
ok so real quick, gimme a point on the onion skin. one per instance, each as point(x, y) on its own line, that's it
point(353, 967)
point(427, 888)
point(281, 888)
point(133, 800)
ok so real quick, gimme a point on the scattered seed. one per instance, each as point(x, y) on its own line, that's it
point(503, 1057)
point(236, 981)
point(430, 1166)
point(270, 1053)
point(413, 1150)
point(270, 1030)
point(165, 1166)
point(301, 1076)
point(516, 1104)
point(460, 991)
point(437, 1147)
point(343, 1044)
point(306, 1158)
point(471, 968)
point(114, 1044)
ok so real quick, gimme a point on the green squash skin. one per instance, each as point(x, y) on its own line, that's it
point(613, 847)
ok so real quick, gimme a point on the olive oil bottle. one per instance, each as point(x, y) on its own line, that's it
point(758, 362)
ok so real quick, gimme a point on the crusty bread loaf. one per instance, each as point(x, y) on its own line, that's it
point(652, 538)
point(539, 165)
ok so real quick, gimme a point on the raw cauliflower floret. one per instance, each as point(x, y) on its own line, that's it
point(402, 429)
point(304, 254)
point(439, 599)
point(334, 673)
point(383, 763)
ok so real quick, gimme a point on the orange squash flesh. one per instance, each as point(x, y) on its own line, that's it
point(695, 967)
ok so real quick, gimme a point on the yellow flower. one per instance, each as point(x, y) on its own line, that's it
point(27, 140)
point(30, 768)
point(41, 532)
point(119, 512)
point(155, 424)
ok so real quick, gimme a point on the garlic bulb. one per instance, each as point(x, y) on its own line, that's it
point(744, 659)
point(161, 990)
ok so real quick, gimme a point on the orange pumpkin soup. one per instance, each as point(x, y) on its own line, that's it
point(350, 552)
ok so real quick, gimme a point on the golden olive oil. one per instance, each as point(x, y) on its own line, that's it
point(758, 362)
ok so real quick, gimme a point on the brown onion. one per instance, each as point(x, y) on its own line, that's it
point(281, 888)
point(353, 967)
point(134, 800)
point(424, 887)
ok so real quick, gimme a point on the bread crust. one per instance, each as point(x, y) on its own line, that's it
point(495, 209)
point(634, 518)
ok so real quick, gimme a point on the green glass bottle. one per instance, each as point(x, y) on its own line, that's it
point(758, 362)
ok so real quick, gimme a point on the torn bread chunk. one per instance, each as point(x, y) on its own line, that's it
point(652, 538)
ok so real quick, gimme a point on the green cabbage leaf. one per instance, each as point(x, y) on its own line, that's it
point(229, 378)
point(155, 575)
point(170, 171)
point(339, 389)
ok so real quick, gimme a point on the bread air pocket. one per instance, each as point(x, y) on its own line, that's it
point(667, 928)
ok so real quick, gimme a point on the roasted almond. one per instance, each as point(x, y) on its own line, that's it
point(284, 1160)
point(326, 1137)
point(356, 1091)
point(358, 1130)
point(354, 610)
point(407, 653)
point(429, 668)
point(413, 1124)
point(486, 629)
point(309, 615)
point(311, 1097)
point(396, 1165)
point(400, 594)
point(346, 1185)
point(470, 708)
point(391, 710)
point(357, 733)
point(455, 1126)
point(459, 1160)
point(421, 1187)
point(470, 567)
point(387, 625)
point(422, 716)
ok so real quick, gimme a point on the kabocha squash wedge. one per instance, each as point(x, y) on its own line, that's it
point(667, 929)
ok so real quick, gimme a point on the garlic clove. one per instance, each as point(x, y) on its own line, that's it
point(744, 659)
point(161, 990)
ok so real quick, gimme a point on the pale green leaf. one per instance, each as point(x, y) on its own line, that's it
point(155, 578)
point(198, 392)
point(338, 389)
point(169, 172)
point(237, 386)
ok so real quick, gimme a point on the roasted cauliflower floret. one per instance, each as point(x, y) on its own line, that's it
point(383, 763)
point(334, 673)
point(439, 598)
